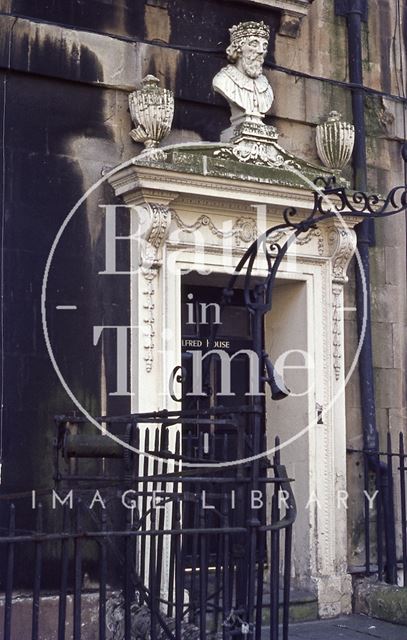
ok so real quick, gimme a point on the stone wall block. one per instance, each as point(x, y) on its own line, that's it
point(397, 421)
point(388, 388)
point(350, 345)
point(390, 232)
point(385, 303)
point(378, 265)
point(395, 265)
point(399, 332)
point(354, 436)
point(382, 421)
point(383, 350)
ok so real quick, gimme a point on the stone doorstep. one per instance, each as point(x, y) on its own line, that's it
point(380, 600)
point(303, 606)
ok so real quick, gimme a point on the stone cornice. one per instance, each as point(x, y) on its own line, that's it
point(157, 184)
point(138, 184)
point(213, 170)
point(292, 13)
point(295, 7)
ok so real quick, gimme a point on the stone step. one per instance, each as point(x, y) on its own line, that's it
point(303, 606)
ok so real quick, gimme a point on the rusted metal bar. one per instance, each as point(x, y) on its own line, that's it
point(179, 578)
point(391, 560)
point(9, 574)
point(102, 578)
point(91, 446)
point(77, 594)
point(127, 586)
point(37, 576)
point(64, 578)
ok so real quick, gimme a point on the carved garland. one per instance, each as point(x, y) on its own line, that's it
point(243, 230)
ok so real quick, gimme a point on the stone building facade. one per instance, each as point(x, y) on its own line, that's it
point(67, 70)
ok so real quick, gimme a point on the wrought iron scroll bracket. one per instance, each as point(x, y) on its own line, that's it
point(330, 201)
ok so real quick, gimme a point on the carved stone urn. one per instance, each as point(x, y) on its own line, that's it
point(152, 111)
point(335, 139)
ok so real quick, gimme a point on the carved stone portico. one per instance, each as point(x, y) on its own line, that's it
point(204, 211)
point(196, 208)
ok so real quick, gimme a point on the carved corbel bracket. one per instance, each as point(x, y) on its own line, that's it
point(342, 239)
point(155, 219)
point(154, 235)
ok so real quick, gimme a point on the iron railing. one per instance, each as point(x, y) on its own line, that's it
point(197, 568)
point(385, 510)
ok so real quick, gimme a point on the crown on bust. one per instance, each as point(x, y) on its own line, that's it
point(246, 29)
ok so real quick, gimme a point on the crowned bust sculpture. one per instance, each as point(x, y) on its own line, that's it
point(242, 82)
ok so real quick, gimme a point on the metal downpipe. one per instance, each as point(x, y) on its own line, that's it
point(356, 9)
point(356, 12)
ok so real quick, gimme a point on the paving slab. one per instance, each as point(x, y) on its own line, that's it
point(347, 628)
